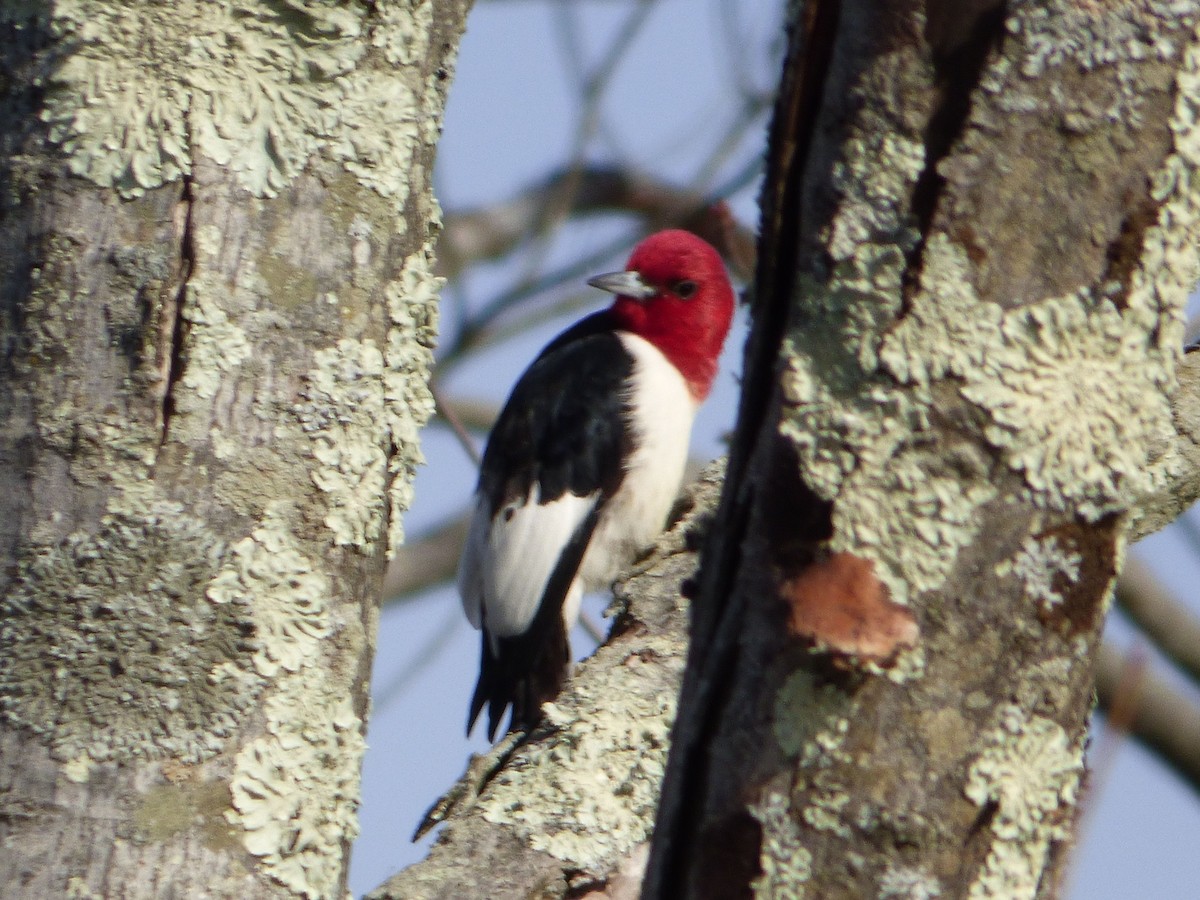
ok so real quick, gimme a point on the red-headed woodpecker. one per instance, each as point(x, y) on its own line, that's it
point(584, 463)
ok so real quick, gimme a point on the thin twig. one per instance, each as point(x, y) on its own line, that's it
point(1167, 622)
point(446, 411)
point(1165, 720)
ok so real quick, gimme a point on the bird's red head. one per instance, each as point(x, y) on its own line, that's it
point(675, 293)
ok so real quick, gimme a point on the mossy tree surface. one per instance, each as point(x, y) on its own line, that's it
point(218, 316)
point(978, 237)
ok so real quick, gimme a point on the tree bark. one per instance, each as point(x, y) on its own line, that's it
point(977, 242)
point(218, 318)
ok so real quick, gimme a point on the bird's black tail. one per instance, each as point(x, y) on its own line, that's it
point(526, 670)
point(523, 673)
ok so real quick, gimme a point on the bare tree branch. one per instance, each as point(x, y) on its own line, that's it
point(1163, 619)
point(1163, 719)
point(488, 233)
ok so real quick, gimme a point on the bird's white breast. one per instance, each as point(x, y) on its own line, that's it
point(663, 410)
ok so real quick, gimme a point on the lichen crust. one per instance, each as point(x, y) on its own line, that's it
point(342, 411)
point(258, 89)
point(906, 883)
point(859, 432)
point(295, 788)
point(1076, 403)
point(1040, 565)
point(295, 791)
point(785, 862)
point(804, 709)
point(589, 794)
point(1069, 391)
point(104, 633)
point(1030, 770)
point(412, 300)
point(363, 409)
point(286, 591)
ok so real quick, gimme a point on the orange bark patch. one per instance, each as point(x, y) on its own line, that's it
point(840, 605)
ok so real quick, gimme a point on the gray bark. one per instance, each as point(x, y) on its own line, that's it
point(978, 238)
point(218, 315)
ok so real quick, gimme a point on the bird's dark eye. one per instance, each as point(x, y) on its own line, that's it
point(684, 289)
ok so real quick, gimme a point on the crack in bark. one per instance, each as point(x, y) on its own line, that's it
point(173, 326)
point(1124, 252)
point(962, 38)
point(792, 135)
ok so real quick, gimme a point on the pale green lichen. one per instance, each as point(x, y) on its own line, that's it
point(403, 30)
point(412, 301)
point(1041, 565)
point(295, 788)
point(287, 592)
point(343, 414)
point(253, 89)
point(1168, 264)
point(380, 131)
point(363, 410)
point(837, 418)
point(907, 666)
point(903, 883)
point(295, 791)
point(804, 708)
point(948, 329)
point(827, 807)
point(1119, 365)
point(215, 345)
point(221, 325)
point(79, 769)
point(110, 646)
point(810, 722)
point(1064, 383)
point(1066, 34)
point(874, 178)
point(1046, 685)
point(859, 436)
point(257, 89)
point(913, 515)
point(785, 862)
point(1074, 404)
point(589, 794)
point(1070, 390)
point(1030, 770)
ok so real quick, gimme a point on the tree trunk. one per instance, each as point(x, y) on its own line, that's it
point(218, 314)
point(976, 249)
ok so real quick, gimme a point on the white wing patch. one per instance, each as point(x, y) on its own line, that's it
point(508, 558)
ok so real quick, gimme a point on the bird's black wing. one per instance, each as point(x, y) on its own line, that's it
point(565, 429)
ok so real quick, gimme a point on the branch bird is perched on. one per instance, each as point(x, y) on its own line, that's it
point(584, 463)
